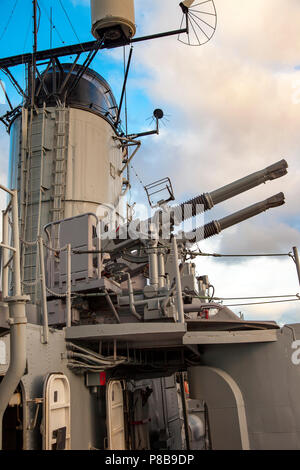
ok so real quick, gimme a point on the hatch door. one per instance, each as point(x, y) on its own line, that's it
point(57, 413)
point(115, 416)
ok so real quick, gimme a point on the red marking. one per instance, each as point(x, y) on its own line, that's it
point(137, 423)
point(102, 378)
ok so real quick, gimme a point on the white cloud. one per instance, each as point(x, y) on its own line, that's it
point(255, 277)
point(232, 113)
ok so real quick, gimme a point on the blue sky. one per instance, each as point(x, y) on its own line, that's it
point(231, 112)
point(17, 39)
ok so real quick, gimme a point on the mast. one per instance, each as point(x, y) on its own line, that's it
point(33, 70)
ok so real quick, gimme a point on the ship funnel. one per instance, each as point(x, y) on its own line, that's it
point(206, 201)
point(217, 226)
point(113, 19)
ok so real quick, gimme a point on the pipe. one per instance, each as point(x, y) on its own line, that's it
point(18, 321)
point(171, 289)
point(17, 364)
point(178, 282)
point(5, 256)
point(146, 301)
point(153, 264)
point(69, 287)
point(184, 411)
point(16, 239)
point(44, 292)
point(131, 299)
point(197, 307)
point(297, 262)
point(112, 307)
point(161, 269)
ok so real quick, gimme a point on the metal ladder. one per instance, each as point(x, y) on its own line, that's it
point(60, 162)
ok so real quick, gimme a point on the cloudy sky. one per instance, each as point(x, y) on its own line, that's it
point(233, 107)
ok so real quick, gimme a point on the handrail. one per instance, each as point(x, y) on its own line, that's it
point(17, 311)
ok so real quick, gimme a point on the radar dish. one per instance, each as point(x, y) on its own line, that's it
point(201, 20)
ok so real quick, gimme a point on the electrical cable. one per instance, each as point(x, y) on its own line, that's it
point(125, 96)
point(9, 20)
point(248, 298)
point(262, 303)
point(126, 110)
point(217, 255)
point(51, 21)
point(39, 20)
point(70, 22)
point(27, 34)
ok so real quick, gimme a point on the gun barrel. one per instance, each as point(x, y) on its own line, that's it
point(206, 201)
point(270, 173)
point(217, 226)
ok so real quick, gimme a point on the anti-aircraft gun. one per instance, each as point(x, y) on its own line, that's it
point(142, 257)
point(152, 247)
point(161, 225)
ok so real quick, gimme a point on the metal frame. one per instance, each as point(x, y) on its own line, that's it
point(77, 49)
point(5, 245)
point(157, 187)
point(31, 60)
point(16, 302)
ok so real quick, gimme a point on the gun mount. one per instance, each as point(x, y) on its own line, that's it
point(162, 224)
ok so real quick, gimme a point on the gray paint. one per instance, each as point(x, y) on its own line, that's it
point(269, 383)
point(43, 359)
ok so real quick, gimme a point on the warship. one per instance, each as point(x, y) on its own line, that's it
point(108, 338)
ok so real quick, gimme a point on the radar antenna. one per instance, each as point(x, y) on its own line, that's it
point(201, 19)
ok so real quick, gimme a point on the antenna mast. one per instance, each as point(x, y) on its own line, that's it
point(34, 5)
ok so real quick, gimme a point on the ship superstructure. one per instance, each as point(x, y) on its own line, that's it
point(104, 324)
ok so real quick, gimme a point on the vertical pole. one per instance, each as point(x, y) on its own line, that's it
point(184, 411)
point(44, 293)
point(33, 71)
point(131, 298)
point(5, 255)
point(124, 86)
point(51, 26)
point(69, 274)
point(16, 238)
point(17, 363)
point(34, 4)
point(161, 270)
point(297, 262)
point(178, 282)
point(153, 265)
